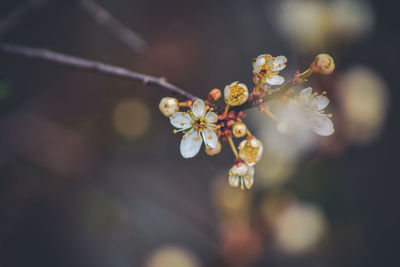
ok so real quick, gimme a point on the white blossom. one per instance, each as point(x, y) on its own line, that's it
point(269, 67)
point(311, 107)
point(236, 94)
point(198, 124)
point(241, 174)
point(250, 150)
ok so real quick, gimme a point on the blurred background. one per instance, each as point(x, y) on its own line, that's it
point(91, 173)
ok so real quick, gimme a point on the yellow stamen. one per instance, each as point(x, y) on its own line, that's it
point(175, 131)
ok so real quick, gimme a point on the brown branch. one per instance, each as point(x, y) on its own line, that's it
point(94, 66)
point(19, 14)
point(102, 17)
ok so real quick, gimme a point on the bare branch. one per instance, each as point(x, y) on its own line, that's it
point(94, 66)
point(19, 14)
point(104, 18)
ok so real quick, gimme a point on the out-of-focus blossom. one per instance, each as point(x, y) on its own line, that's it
point(198, 125)
point(172, 256)
point(314, 24)
point(236, 94)
point(250, 150)
point(363, 97)
point(169, 106)
point(239, 129)
point(311, 106)
point(299, 228)
point(267, 68)
point(241, 174)
point(131, 118)
point(324, 64)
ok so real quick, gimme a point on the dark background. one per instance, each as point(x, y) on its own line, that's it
point(74, 192)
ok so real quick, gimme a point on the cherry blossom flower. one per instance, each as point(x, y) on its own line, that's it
point(267, 68)
point(242, 174)
point(198, 124)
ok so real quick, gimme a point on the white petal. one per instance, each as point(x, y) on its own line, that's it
point(240, 169)
point(198, 108)
point(248, 181)
point(279, 63)
point(260, 61)
point(190, 144)
point(319, 102)
point(180, 120)
point(251, 171)
point(210, 138)
point(211, 117)
point(305, 94)
point(322, 125)
point(276, 80)
point(234, 180)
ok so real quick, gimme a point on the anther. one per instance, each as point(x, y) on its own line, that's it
point(175, 131)
point(330, 115)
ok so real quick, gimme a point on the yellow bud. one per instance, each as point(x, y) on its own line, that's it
point(169, 106)
point(324, 64)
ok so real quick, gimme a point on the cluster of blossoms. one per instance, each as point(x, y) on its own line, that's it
point(204, 121)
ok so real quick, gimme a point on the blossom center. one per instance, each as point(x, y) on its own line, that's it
point(236, 93)
point(199, 124)
point(250, 152)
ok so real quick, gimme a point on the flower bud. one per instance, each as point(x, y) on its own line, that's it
point(239, 129)
point(324, 64)
point(169, 106)
point(214, 151)
point(250, 150)
point(214, 95)
point(236, 94)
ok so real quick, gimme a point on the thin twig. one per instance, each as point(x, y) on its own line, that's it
point(95, 66)
point(105, 19)
point(18, 15)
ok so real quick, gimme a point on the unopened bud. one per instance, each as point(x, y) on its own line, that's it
point(214, 151)
point(324, 64)
point(239, 129)
point(214, 95)
point(169, 106)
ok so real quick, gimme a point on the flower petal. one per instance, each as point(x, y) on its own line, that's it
point(248, 181)
point(198, 108)
point(190, 144)
point(279, 63)
point(275, 80)
point(210, 138)
point(319, 102)
point(322, 125)
point(211, 117)
point(260, 61)
point(305, 95)
point(234, 180)
point(181, 120)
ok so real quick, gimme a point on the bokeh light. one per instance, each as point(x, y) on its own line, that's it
point(300, 228)
point(172, 256)
point(131, 118)
point(363, 97)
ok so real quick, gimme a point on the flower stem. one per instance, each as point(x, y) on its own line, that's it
point(233, 147)
point(226, 109)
